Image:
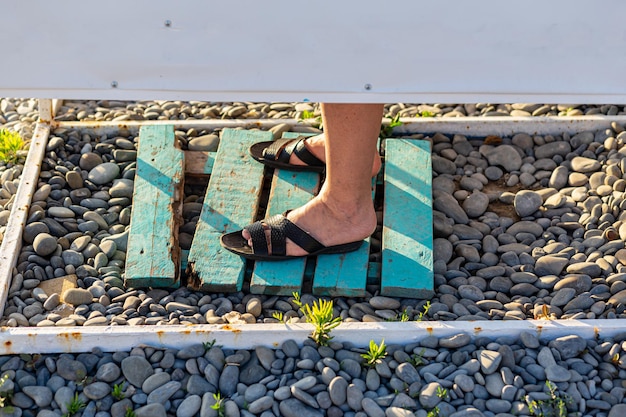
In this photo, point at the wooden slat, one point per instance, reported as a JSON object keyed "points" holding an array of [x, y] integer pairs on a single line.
{"points": [[199, 163], [289, 190], [230, 204], [153, 256], [407, 244], [347, 274], [342, 275]]}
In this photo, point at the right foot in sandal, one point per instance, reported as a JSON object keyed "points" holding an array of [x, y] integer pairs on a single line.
{"points": [[335, 229]]}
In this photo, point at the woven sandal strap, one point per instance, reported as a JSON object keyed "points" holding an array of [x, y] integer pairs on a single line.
{"points": [[296, 234], [305, 155], [277, 152], [259, 241]]}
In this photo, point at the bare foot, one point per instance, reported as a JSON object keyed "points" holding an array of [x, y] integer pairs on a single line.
{"points": [[328, 225], [315, 145]]}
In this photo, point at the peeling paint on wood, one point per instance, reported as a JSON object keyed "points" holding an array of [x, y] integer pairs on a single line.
{"points": [[153, 257], [289, 190], [407, 244], [230, 203]]}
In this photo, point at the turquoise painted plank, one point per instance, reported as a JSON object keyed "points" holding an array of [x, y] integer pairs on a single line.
{"points": [[407, 244], [230, 204], [153, 256], [289, 190], [342, 275], [346, 274]]}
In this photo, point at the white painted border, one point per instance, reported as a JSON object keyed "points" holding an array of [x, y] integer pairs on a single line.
{"points": [[112, 338], [469, 126], [12, 241], [246, 336]]}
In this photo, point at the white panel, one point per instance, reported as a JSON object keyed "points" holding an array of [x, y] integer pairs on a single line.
{"points": [[405, 50]]}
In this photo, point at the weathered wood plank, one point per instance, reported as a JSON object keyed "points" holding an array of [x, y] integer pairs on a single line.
{"points": [[289, 190], [342, 275], [346, 274], [199, 163], [230, 203], [153, 256], [407, 244]]}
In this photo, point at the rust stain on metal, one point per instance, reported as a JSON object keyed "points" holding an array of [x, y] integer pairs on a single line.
{"points": [[227, 327], [478, 330], [596, 332], [429, 330], [8, 344], [71, 336]]}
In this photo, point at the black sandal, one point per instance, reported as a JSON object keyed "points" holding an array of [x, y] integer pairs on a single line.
{"points": [[281, 229], [276, 154]]}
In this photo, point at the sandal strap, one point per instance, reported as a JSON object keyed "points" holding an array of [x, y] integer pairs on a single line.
{"points": [[282, 149], [277, 151], [259, 241], [305, 155], [281, 229], [296, 234]]}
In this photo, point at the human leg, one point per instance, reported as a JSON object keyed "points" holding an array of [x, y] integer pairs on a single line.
{"points": [[343, 211]]}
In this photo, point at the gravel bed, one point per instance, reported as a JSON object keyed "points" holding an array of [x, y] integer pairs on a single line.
{"points": [[455, 376], [525, 227]]}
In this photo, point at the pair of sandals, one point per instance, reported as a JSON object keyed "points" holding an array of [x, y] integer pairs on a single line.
{"points": [[276, 154]]}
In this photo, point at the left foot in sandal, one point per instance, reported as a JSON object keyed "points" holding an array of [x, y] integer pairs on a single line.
{"points": [[313, 229], [288, 154]]}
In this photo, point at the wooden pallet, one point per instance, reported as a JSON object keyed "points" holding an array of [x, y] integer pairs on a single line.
{"points": [[232, 201]]}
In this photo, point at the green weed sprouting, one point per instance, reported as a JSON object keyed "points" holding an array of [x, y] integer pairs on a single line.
{"points": [[375, 353], [278, 315], [118, 391], [5, 396], [219, 405], [423, 313], [10, 145], [74, 406], [320, 315], [556, 406], [387, 130]]}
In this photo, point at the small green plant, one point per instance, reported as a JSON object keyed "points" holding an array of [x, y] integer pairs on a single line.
{"points": [[219, 405], [129, 412], [74, 406], [307, 114], [556, 406], [10, 144], [320, 315], [404, 316], [424, 311], [387, 130], [208, 345], [375, 353], [433, 413], [118, 391], [417, 359], [278, 315], [427, 113], [5, 396], [442, 392]]}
